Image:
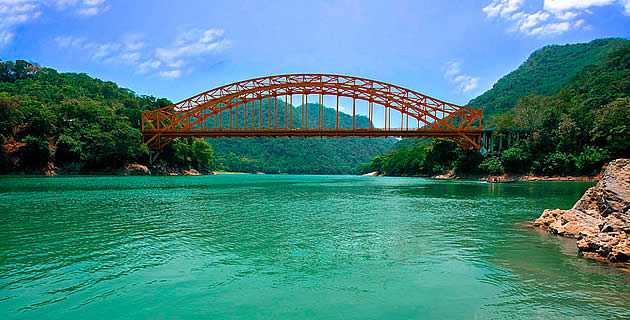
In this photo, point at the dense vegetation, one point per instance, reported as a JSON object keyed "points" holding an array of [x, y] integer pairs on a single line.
{"points": [[297, 155], [78, 124], [573, 131], [546, 72]]}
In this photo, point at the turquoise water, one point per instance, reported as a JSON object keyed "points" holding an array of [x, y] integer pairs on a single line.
{"points": [[276, 247]]}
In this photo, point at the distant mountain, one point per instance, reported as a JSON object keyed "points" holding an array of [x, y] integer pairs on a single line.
{"points": [[297, 155], [546, 72]]}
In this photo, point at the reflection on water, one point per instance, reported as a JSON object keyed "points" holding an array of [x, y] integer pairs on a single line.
{"points": [[249, 246]]}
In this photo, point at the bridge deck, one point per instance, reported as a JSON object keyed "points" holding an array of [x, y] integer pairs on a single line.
{"points": [[282, 132]]}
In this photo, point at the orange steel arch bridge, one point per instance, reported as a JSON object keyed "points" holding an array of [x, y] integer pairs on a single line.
{"points": [[236, 110]]}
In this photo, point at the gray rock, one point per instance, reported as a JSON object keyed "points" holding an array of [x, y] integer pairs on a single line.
{"points": [[600, 220]]}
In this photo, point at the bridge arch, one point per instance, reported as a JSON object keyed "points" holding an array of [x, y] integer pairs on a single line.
{"points": [[190, 117]]}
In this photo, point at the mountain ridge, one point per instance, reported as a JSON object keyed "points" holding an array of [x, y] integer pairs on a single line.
{"points": [[545, 73]]}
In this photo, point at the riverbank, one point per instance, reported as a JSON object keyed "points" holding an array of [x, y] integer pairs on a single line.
{"points": [[128, 170], [516, 177], [158, 170]]}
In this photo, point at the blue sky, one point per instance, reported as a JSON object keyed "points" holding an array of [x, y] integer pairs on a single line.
{"points": [[452, 50]]}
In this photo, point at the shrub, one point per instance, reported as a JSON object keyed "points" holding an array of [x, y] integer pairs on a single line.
{"points": [[491, 166], [516, 159], [591, 160], [560, 163]]}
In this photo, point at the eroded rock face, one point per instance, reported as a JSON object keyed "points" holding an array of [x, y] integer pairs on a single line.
{"points": [[600, 220]]}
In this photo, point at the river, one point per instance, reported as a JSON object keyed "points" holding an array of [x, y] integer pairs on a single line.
{"points": [[293, 247]]}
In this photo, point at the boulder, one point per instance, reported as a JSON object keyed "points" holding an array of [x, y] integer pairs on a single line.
{"points": [[191, 172], [600, 220], [135, 170]]}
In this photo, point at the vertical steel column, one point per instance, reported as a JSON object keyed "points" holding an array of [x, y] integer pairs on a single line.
{"points": [[353, 111], [302, 124], [306, 107], [370, 107], [337, 125], [269, 113], [402, 119], [286, 105], [231, 117], [245, 117], [260, 113], [275, 112], [291, 113], [321, 112]]}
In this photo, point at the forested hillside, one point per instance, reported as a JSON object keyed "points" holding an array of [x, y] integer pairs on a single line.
{"points": [[75, 123], [546, 72], [571, 132]]}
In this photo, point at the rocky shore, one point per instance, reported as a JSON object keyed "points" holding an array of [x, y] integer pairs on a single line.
{"points": [[128, 170], [600, 220], [158, 170], [514, 177]]}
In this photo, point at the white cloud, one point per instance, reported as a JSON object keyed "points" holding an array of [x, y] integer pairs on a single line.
{"points": [[464, 83], [5, 37], [92, 7], [91, 11], [14, 13], [170, 74], [171, 61], [551, 28], [148, 66], [93, 2], [563, 5], [555, 17], [567, 15], [192, 43], [502, 7]]}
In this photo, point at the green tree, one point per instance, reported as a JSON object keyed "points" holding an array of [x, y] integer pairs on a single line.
{"points": [[612, 127], [516, 159], [492, 166], [202, 154]]}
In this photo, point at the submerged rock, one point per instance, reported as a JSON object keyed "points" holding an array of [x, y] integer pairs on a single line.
{"points": [[600, 220]]}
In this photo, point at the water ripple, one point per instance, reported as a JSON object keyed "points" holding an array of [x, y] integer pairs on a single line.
{"points": [[291, 247]]}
